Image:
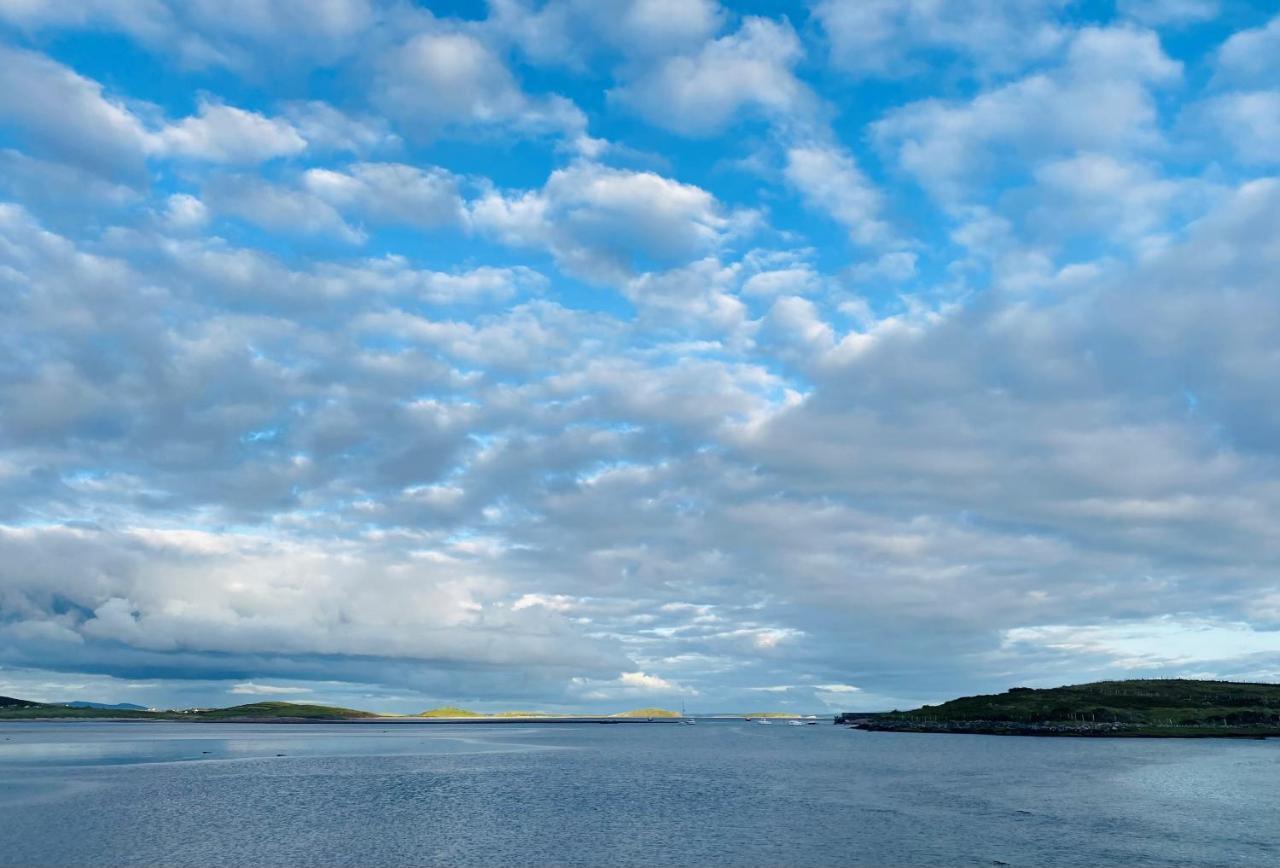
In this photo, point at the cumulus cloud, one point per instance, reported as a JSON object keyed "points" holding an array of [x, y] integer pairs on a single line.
{"points": [[67, 116], [225, 134], [391, 192], [603, 222], [699, 93], [830, 181], [1247, 122], [1100, 99], [419, 392], [893, 37], [203, 33], [565, 31], [1247, 58], [445, 80], [273, 206]]}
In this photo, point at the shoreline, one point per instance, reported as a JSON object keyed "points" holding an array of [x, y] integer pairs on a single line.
{"points": [[1059, 730]]}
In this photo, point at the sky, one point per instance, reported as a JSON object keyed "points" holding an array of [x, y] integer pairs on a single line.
{"points": [[578, 355]]}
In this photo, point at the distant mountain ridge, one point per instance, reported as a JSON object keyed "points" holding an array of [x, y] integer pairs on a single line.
{"points": [[119, 706]]}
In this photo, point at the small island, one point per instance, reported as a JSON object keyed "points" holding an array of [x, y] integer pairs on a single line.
{"points": [[1150, 708]]}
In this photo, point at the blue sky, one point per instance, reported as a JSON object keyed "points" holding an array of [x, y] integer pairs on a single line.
{"points": [[582, 355]]}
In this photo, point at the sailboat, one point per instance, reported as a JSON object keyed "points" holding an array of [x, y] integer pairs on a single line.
{"points": [[686, 721]]}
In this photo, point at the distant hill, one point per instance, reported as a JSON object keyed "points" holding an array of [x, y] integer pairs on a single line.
{"points": [[119, 706], [10, 702], [1146, 707], [777, 715], [277, 711], [647, 712], [449, 711]]}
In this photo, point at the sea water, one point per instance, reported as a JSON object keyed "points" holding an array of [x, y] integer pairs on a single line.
{"points": [[369, 794]]}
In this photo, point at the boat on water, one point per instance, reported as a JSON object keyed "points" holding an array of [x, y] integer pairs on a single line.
{"points": [[763, 721], [795, 723], [686, 721]]}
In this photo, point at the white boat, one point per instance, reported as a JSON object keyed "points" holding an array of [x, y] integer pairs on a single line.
{"points": [[795, 723], [763, 721]]}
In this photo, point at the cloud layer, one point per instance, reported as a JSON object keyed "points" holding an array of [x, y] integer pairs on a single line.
{"points": [[850, 359]]}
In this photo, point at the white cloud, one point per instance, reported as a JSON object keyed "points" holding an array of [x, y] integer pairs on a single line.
{"points": [[390, 193], [225, 134], [184, 212], [603, 223], [440, 81], [326, 128], [645, 682], [279, 208], [239, 34], [1098, 100], [67, 116], [1079, 193], [700, 93], [782, 281], [1247, 58], [895, 37], [254, 689], [831, 181], [567, 31], [1246, 122]]}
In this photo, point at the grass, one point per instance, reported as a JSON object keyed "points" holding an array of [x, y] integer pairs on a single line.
{"points": [[279, 710], [1144, 707], [42, 712], [773, 714], [647, 712], [449, 711]]}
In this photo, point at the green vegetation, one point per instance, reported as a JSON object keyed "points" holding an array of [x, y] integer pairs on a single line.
{"points": [[277, 711], [40, 711], [1157, 707], [525, 714], [10, 702], [449, 711], [647, 712]]}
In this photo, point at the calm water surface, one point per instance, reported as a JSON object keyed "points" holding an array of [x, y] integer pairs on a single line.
{"points": [[638, 794]]}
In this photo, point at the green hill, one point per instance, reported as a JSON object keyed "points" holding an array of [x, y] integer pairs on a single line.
{"points": [[1155, 707], [22, 709], [278, 711], [647, 712], [449, 711], [10, 702]]}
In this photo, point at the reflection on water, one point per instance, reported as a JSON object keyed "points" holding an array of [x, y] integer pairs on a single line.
{"points": [[227, 794], [115, 743]]}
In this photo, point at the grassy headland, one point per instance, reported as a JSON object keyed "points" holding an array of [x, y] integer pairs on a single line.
{"points": [[278, 711], [449, 711], [1170, 708], [647, 712]]}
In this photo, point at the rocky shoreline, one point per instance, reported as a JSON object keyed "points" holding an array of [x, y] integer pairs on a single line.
{"points": [[1077, 729]]}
